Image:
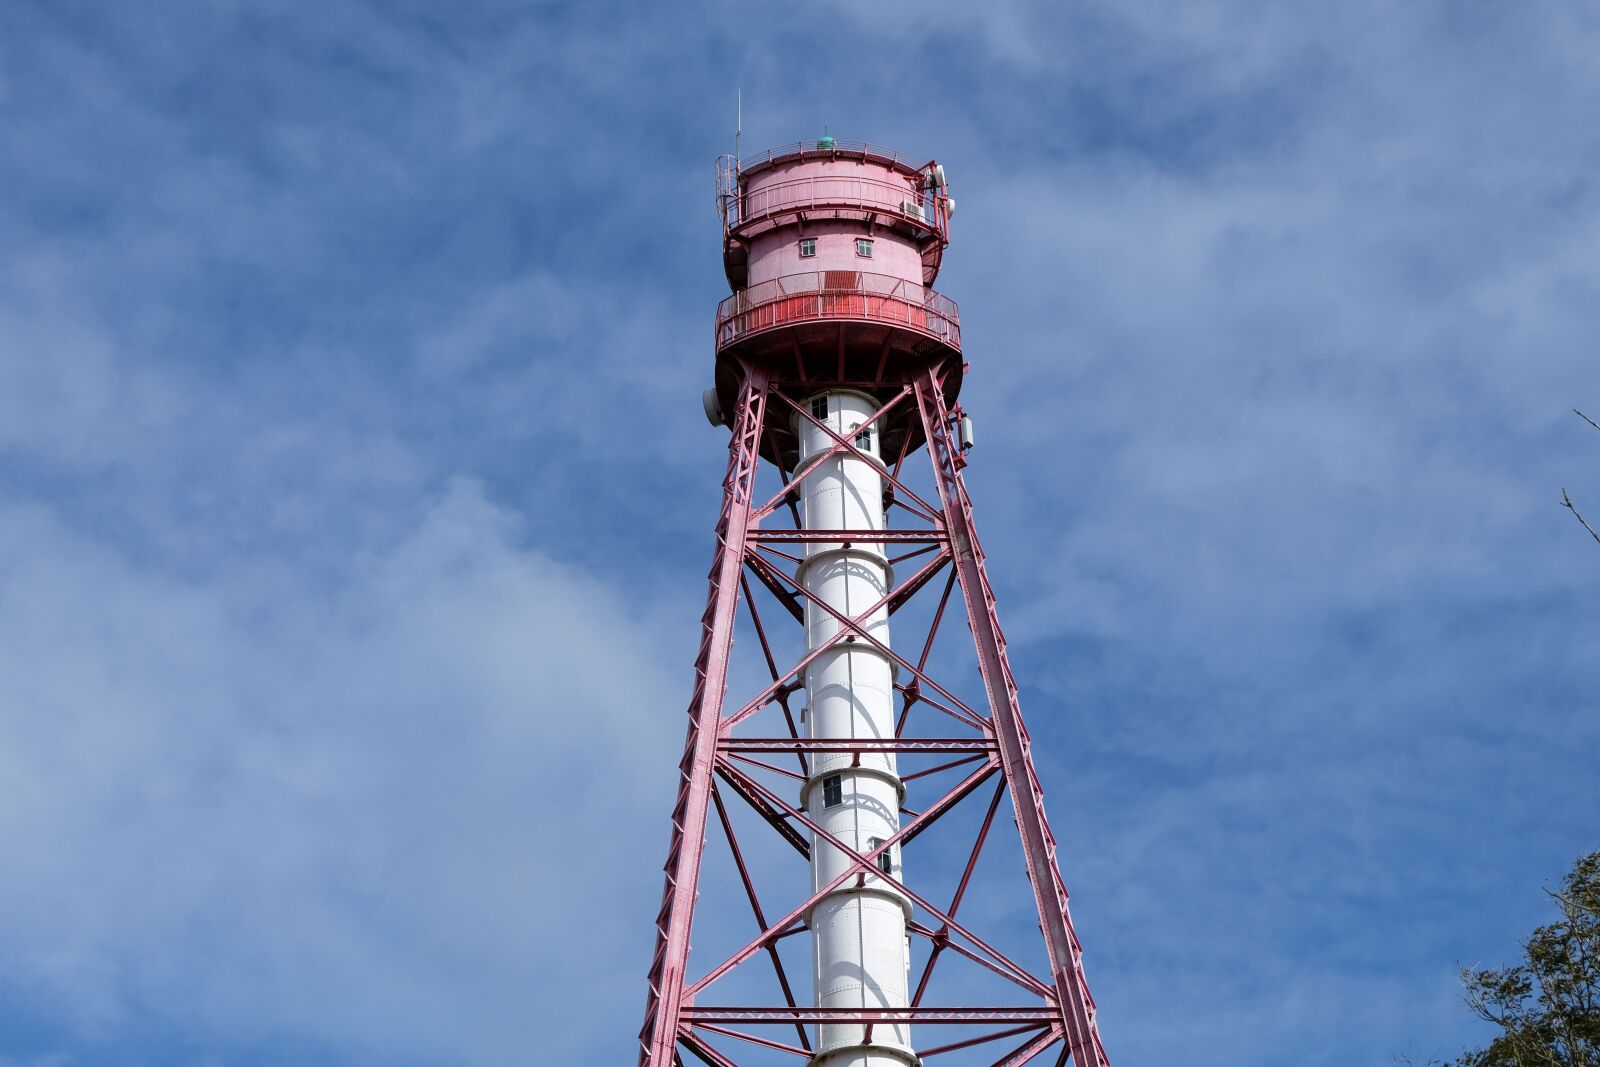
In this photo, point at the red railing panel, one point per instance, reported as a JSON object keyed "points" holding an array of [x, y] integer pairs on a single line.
{"points": [[838, 295]]}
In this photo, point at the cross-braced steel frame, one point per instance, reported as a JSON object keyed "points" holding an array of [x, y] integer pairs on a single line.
{"points": [[989, 749]]}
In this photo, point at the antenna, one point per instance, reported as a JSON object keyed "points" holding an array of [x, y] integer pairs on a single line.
{"points": [[738, 127]]}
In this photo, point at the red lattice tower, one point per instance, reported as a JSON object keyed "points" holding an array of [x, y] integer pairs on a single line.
{"points": [[836, 363]]}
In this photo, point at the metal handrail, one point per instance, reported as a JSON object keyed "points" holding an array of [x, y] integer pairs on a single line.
{"points": [[836, 294], [842, 190], [833, 145]]}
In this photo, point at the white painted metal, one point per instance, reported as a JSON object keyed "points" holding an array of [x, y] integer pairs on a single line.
{"points": [[860, 954], [712, 407]]}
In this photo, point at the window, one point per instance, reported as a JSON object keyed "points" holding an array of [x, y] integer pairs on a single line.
{"points": [[819, 408], [832, 791], [885, 858], [864, 438], [863, 247], [808, 247]]}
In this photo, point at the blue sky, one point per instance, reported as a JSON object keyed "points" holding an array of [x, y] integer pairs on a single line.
{"points": [[355, 501]]}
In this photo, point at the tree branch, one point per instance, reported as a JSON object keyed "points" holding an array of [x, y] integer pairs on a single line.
{"points": [[1566, 502]]}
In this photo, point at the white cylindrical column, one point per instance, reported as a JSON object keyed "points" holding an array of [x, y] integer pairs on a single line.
{"points": [[860, 952]]}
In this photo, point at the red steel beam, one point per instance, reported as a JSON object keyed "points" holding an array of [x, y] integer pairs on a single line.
{"points": [[1029, 1049], [1000, 745], [775, 770], [941, 938], [865, 862], [659, 1036], [857, 744], [751, 1016], [770, 537], [728, 1031], [703, 1051], [739, 783], [772, 664], [755, 906], [843, 444], [941, 767], [955, 1046], [851, 625], [1038, 845], [851, 629], [764, 570]]}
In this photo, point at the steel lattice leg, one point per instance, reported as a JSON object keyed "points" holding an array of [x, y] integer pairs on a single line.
{"points": [[1038, 844], [664, 1003]]}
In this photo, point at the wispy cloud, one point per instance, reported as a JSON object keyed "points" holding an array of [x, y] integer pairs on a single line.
{"points": [[357, 501], [252, 805]]}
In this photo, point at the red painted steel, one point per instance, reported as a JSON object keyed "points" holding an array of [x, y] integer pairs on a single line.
{"points": [[1027, 795], [884, 189], [1042, 1016], [813, 193], [838, 295], [987, 748], [661, 1031]]}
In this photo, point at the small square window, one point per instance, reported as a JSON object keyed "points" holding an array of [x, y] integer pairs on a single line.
{"points": [[864, 438], [863, 247], [808, 247], [819, 408], [885, 858], [832, 791]]}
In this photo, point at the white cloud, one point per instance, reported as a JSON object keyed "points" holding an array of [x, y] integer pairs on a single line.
{"points": [[383, 814], [1274, 316]]}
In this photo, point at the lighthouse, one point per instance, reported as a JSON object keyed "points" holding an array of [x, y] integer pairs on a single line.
{"points": [[837, 364], [830, 232]]}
